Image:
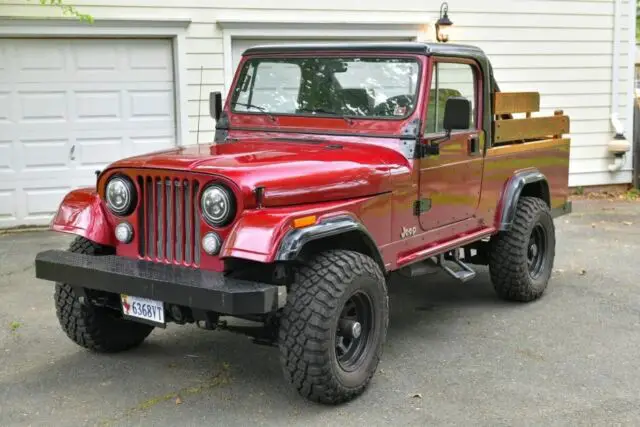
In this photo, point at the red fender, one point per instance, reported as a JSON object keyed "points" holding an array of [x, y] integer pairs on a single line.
{"points": [[82, 213], [258, 234], [255, 236]]}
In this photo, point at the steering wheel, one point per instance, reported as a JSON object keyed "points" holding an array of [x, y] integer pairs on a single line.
{"points": [[388, 107]]}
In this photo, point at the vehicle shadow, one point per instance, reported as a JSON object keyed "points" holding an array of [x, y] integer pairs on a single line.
{"points": [[436, 298], [225, 367]]}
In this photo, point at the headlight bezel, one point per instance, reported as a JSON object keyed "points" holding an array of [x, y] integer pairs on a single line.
{"points": [[228, 195], [133, 195]]}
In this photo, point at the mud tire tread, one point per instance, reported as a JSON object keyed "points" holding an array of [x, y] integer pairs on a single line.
{"points": [[508, 256], [305, 326], [91, 327]]}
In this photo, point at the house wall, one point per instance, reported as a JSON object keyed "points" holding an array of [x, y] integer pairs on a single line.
{"points": [[563, 49]]}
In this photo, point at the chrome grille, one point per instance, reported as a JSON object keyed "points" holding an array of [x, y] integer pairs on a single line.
{"points": [[168, 220]]}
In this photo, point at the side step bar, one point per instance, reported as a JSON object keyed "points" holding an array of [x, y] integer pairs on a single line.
{"points": [[465, 273]]}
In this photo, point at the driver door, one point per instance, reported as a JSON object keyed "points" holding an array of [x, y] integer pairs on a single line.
{"points": [[450, 181]]}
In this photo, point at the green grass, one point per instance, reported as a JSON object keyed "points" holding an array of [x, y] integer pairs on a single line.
{"points": [[632, 194]]}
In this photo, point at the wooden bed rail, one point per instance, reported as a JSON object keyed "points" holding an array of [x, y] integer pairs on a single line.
{"points": [[505, 130]]}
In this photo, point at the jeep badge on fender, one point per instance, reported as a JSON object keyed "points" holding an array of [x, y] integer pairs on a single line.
{"points": [[332, 166]]}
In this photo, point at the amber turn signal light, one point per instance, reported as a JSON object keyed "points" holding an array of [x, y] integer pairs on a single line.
{"points": [[305, 221]]}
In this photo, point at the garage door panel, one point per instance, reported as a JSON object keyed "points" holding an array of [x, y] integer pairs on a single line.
{"points": [[44, 154], [67, 60], [81, 86], [5, 107], [7, 206], [40, 55], [42, 106], [41, 201], [151, 104], [88, 130], [93, 152], [44, 175], [71, 106], [96, 55], [6, 156], [98, 105], [147, 57], [145, 144], [4, 58]]}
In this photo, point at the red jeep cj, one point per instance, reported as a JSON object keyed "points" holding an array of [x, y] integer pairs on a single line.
{"points": [[334, 168]]}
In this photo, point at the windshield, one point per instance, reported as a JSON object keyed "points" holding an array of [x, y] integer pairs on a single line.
{"points": [[329, 86]]}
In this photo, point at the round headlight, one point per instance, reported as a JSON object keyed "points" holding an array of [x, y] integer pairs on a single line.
{"points": [[217, 205], [120, 195]]}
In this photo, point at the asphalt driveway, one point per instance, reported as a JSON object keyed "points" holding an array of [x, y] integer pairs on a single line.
{"points": [[456, 355]]}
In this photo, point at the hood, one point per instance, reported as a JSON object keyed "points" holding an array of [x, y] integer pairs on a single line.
{"points": [[291, 170]]}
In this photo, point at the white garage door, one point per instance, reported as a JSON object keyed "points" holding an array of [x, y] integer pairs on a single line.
{"points": [[240, 45], [71, 106]]}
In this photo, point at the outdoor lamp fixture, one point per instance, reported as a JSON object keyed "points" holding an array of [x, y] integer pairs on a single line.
{"points": [[443, 24]]}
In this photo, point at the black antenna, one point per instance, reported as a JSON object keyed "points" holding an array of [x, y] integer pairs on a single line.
{"points": [[199, 107]]}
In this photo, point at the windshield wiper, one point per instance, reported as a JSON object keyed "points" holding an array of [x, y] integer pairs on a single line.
{"points": [[323, 111], [257, 107]]}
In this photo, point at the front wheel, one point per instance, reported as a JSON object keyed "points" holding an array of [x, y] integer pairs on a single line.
{"points": [[333, 327], [98, 329], [521, 258]]}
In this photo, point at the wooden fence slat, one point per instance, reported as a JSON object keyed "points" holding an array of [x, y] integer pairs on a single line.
{"points": [[535, 127], [516, 102]]}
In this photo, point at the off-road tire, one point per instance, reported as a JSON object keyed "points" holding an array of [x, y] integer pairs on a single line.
{"points": [[309, 320], [96, 328], [508, 257]]}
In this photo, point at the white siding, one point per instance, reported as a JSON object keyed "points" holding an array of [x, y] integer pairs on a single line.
{"points": [[564, 49]]}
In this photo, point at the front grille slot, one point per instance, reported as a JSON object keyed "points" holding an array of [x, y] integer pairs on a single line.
{"points": [[168, 220]]}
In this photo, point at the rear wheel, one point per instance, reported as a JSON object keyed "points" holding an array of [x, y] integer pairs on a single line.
{"points": [[521, 259], [333, 326], [96, 328]]}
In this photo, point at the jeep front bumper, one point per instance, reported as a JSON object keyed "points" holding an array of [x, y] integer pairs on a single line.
{"points": [[171, 284]]}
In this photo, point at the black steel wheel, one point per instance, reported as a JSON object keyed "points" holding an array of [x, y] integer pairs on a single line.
{"points": [[353, 334], [537, 251], [333, 327], [521, 258]]}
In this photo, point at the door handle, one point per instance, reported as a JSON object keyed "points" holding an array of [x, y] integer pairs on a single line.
{"points": [[473, 145]]}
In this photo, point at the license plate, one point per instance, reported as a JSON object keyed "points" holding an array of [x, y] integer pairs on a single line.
{"points": [[143, 308]]}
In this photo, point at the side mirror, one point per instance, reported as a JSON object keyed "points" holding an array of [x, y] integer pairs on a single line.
{"points": [[215, 105], [457, 114]]}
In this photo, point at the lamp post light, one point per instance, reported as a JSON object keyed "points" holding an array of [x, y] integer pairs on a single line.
{"points": [[443, 24]]}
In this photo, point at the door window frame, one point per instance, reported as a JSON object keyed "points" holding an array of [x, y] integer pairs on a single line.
{"points": [[478, 86]]}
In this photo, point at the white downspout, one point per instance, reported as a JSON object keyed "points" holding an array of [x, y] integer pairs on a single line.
{"points": [[618, 146], [631, 72], [615, 71]]}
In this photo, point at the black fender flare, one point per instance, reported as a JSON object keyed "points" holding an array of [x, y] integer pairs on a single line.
{"points": [[294, 240], [512, 192]]}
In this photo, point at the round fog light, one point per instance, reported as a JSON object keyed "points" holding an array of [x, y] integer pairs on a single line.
{"points": [[211, 243], [124, 232]]}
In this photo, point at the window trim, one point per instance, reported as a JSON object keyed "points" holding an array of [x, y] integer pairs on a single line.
{"points": [[478, 86]]}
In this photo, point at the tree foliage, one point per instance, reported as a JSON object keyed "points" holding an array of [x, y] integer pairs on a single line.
{"points": [[67, 9]]}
